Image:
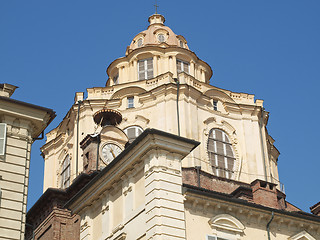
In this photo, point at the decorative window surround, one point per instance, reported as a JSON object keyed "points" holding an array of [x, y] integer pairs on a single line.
{"points": [[227, 227], [302, 236]]}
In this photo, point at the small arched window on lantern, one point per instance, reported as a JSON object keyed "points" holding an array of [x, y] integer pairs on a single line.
{"points": [[221, 154]]}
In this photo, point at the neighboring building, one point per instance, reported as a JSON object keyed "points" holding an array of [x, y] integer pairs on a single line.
{"points": [[20, 125], [174, 157]]}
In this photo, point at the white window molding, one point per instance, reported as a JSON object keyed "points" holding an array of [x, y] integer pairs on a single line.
{"points": [[133, 132], [3, 134], [227, 227], [302, 236]]}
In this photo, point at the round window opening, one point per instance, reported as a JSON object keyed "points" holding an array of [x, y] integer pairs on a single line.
{"points": [[140, 42], [161, 38]]}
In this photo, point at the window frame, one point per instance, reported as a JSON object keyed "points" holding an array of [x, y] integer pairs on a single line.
{"points": [[161, 38], [66, 172], [145, 70], [137, 129], [215, 104], [214, 161], [115, 79], [179, 61], [130, 102], [140, 42], [3, 137]]}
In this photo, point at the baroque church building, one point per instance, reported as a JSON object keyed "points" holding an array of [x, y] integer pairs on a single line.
{"points": [[159, 153]]}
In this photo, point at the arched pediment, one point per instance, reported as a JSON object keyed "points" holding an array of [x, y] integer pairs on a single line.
{"points": [[127, 92], [113, 132], [227, 222], [219, 95], [304, 235]]}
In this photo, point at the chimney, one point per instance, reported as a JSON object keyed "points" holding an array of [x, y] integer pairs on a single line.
{"points": [[264, 193], [6, 90], [315, 209]]}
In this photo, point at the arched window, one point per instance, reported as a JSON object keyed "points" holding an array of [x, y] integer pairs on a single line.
{"points": [[65, 173], [133, 132], [220, 153]]}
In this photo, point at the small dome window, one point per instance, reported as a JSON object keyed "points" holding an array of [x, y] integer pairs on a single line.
{"points": [[161, 37], [181, 44], [140, 42]]}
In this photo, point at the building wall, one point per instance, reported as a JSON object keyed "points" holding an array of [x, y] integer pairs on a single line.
{"points": [[155, 107], [238, 222], [14, 172], [59, 225]]}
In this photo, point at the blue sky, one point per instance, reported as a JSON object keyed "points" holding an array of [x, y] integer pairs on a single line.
{"points": [[52, 49]]}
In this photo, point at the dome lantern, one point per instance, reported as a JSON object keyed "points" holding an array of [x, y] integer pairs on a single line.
{"points": [[156, 19]]}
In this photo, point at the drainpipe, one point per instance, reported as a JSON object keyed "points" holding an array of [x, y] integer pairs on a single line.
{"points": [[178, 86], [268, 225], [98, 145], [39, 138], [29, 225], [77, 147]]}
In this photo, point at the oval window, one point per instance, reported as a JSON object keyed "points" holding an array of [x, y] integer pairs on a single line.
{"points": [[161, 38]]}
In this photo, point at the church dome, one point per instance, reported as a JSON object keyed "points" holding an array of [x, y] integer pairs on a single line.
{"points": [[157, 34]]}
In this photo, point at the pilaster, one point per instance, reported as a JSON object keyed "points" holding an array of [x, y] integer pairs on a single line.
{"points": [[163, 193]]}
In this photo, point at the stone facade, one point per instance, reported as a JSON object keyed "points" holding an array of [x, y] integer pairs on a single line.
{"points": [[175, 157], [153, 104], [21, 123]]}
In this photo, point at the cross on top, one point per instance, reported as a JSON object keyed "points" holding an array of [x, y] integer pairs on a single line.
{"points": [[156, 6]]}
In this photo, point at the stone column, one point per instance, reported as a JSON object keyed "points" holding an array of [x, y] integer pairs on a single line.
{"points": [[174, 66], [155, 66], [192, 68], [135, 70]]}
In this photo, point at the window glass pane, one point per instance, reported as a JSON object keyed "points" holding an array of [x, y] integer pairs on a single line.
{"points": [[229, 150], [141, 76], [218, 135], [230, 163], [220, 149], [131, 133], [2, 130], [150, 74], [221, 163], [141, 66], [211, 237], [186, 67]]}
